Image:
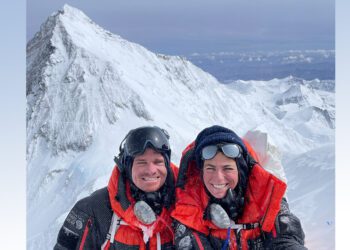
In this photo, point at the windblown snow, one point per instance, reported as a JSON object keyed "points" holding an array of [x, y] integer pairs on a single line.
{"points": [[87, 87]]}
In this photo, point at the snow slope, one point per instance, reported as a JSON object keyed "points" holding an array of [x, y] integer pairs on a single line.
{"points": [[318, 190], [87, 87]]}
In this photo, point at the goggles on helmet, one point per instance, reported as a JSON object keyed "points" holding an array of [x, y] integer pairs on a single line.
{"points": [[230, 150], [139, 139]]}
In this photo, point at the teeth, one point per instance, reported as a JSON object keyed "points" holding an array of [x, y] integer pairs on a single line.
{"points": [[150, 178], [219, 186]]}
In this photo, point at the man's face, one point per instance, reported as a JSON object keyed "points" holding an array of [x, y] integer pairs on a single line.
{"points": [[219, 174], [149, 171]]}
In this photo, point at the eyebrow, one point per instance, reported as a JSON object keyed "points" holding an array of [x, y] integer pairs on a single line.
{"points": [[140, 160], [209, 165], [143, 159], [159, 159], [224, 166]]}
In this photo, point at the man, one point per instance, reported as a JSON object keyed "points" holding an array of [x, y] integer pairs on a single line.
{"points": [[226, 200], [133, 211]]}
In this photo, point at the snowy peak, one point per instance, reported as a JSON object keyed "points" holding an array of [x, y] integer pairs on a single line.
{"points": [[299, 94], [69, 28], [323, 85], [292, 95], [81, 78], [306, 106], [307, 102], [73, 12], [71, 89], [82, 31]]}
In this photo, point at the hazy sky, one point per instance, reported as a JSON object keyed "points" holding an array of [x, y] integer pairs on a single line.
{"points": [[185, 26]]}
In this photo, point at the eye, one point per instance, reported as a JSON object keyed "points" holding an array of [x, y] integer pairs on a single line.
{"points": [[229, 168], [141, 163], [209, 168], [159, 162]]}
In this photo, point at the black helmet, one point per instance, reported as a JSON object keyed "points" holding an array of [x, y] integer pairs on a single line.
{"points": [[136, 142]]}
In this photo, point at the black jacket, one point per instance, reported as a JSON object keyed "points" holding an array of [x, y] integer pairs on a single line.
{"points": [[87, 223]]}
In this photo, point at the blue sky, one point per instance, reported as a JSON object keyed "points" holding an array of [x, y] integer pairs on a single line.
{"points": [[186, 26]]}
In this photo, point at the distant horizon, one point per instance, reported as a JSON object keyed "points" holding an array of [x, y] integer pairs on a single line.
{"points": [[251, 60], [228, 26]]}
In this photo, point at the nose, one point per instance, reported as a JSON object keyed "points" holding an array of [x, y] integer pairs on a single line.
{"points": [[219, 175], [151, 168]]}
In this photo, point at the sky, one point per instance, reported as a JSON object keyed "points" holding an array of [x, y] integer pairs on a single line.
{"points": [[12, 101], [183, 27]]}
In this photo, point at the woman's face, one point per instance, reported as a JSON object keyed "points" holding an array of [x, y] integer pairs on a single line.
{"points": [[219, 174]]}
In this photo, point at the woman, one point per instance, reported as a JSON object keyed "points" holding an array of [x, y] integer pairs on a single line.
{"points": [[226, 200]]}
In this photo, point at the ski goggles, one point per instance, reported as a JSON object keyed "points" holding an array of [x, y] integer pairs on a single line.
{"points": [[230, 150], [139, 139]]}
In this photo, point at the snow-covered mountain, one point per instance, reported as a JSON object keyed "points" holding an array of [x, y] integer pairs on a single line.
{"points": [[306, 106], [87, 87]]}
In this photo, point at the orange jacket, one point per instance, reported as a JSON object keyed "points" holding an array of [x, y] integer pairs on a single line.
{"points": [[132, 234], [262, 201]]}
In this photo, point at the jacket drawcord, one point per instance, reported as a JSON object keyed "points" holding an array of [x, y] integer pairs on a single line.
{"points": [[159, 243], [226, 243], [115, 223]]}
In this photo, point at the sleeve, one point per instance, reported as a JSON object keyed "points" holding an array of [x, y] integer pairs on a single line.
{"points": [[289, 233], [188, 239], [76, 230]]}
